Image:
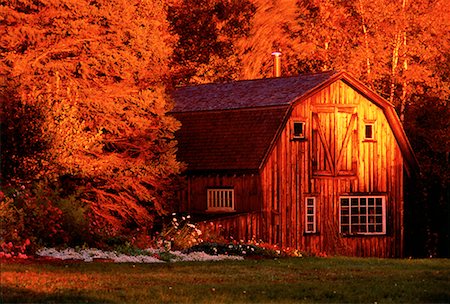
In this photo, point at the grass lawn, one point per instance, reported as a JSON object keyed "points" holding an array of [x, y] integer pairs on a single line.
{"points": [[260, 281]]}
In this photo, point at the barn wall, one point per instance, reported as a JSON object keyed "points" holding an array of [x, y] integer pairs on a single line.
{"points": [[242, 227], [367, 167], [247, 190]]}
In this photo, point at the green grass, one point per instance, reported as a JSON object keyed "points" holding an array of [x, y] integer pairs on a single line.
{"points": [[299, 280]]}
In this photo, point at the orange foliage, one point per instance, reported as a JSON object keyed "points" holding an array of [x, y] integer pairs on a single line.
{"points": [[92, 72]]}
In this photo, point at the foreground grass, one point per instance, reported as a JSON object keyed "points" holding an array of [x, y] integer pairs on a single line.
{"points": [[263, 281]]}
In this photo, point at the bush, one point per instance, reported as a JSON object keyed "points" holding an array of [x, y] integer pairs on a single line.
{"points": [[40, 216]]}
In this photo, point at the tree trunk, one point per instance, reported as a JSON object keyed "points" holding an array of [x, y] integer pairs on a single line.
{"points": [[366, 42]]}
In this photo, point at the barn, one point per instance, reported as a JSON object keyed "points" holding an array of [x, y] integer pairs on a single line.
{"points": [[316, 162]]}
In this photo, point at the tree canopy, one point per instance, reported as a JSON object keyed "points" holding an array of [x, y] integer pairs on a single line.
{"points": [[84, 101], [207, 32]]}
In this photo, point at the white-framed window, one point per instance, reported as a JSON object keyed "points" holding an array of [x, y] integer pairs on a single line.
{"points": [[362, 215], [310, 215], [369, 131], [220, 199], [298, 130]]}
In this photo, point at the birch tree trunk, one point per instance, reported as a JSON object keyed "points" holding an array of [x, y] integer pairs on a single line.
{"points": [[399, 52], [366, 42]]}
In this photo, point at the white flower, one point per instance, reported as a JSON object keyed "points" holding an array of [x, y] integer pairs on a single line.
{"points": [[88, 255]]}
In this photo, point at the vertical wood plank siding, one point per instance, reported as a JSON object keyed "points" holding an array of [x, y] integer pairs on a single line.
{"points": [[287, 178], [241, 227]]}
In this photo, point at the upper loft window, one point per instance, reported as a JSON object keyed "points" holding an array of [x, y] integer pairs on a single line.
{"points": [[298, 130], [369, 131], [220, 200], [362, 215]]}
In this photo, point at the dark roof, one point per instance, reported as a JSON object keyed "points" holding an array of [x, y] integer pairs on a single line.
{"points": [[246, 93], [227, 140], [232, 126]]}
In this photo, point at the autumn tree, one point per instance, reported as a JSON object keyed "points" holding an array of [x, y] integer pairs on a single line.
{"points": [[207, 32], [84, 105], [267, 34]]}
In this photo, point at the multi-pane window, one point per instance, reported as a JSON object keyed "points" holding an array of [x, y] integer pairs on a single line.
{"points": [[310, 215], [220, 199], [362, 215]]}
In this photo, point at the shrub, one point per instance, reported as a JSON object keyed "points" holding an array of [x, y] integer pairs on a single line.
{"points": [[40, 216]]}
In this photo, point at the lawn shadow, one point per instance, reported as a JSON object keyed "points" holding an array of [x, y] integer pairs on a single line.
{"points": [[12, 294]]}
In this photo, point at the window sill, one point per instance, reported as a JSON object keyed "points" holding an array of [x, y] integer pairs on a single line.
{"points": [[370, 140], [300, 139], [220, 210], [361, 234]]}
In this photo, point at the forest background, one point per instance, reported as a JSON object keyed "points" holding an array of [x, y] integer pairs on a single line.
{"points": [[88, 154]]}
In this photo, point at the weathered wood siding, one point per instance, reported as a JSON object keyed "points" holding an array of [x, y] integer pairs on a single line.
{"points": [[240, 227], [247, 191], [336, 162]]}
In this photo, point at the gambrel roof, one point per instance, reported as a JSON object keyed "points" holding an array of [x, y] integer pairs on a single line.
{"points": [[232, 126], [247, 93]]}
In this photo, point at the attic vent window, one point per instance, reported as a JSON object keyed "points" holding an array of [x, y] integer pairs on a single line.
{"points": [[298, 129], [368, 131], [220, 200]]}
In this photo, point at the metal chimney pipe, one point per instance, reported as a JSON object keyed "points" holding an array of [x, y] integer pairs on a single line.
{"points": [[276, 64]]}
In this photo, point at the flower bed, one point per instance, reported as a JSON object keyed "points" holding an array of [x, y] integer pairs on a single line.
{"points": [[149, 256]]}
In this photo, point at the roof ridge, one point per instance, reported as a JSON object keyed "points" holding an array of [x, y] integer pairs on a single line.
{"points": [[248, 93], [332, 72]]}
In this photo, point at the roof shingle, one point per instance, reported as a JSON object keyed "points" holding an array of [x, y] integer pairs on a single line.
{"points": [[227, 140], [246, 93]]}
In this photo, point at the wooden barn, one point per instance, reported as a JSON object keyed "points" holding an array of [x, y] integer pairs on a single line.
{"points": [[315, 162]]}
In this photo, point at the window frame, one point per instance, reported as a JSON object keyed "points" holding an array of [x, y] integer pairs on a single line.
{"points": [[363, 218], [372, 131], [314, 215], [302, 135], [220, 199]]}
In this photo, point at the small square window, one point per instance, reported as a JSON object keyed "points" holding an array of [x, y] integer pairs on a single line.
{"points": [[368, 131], [298, 130]]}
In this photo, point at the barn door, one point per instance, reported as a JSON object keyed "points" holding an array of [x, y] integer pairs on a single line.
{"points": [[334, 141]]}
